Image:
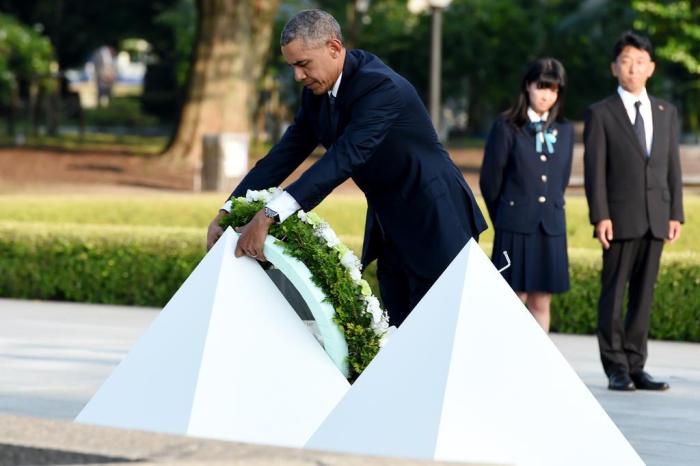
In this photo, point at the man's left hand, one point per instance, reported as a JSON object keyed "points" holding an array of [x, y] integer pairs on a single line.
{"points": [[674, 230], [253, 235]]}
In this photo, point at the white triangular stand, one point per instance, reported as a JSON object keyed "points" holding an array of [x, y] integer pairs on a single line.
{"points": [[470, 376], [227, 358]]}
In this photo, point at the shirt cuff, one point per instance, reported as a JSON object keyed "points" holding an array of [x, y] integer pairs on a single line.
{"points": [[226, 206], [284, 204]]}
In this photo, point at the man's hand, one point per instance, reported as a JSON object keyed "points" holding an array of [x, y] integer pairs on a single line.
{"points": [[674, 230], [604, 232], [215, 231], [253, 235]]}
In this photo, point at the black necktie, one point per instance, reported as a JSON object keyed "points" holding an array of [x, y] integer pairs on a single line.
{"points": [[333, 114], [639, 128]]}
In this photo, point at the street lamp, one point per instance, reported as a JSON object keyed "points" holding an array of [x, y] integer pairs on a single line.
{"points": [[436, 7]]}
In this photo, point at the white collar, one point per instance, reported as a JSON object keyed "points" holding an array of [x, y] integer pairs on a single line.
{"points": [[534, 117], [336, 86], [629, 99]]}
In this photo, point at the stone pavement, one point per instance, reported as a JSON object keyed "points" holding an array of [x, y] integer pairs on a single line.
{"points": [[54, 356]]}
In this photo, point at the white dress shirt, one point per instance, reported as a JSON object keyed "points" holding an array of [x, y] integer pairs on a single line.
{"points": [[283, 203], [629, 100]]}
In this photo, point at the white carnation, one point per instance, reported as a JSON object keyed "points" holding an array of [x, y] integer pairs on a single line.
{"points": [[350, 261], [328, 235], [355, 275], [374, 308], [302, 216]]}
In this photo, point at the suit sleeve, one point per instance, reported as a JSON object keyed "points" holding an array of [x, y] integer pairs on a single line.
{"points": [[373, 115], [496, 153], [675, 180], [296, 144], [594, 163]]}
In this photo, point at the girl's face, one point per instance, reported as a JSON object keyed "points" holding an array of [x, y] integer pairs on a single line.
{"points": [[542, 99]]}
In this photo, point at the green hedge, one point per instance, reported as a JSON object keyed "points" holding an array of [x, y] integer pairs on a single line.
{"points": [[96, 264], [146, 265], [676, 310]]}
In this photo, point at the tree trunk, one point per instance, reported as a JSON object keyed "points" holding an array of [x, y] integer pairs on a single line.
{"points": [[228, 60]]}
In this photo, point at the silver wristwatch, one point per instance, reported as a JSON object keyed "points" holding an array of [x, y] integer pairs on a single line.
{"points": [[269, 213]]}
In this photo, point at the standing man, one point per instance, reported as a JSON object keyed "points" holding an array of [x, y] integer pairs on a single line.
{"points": [[376, 131], [634, 191]]}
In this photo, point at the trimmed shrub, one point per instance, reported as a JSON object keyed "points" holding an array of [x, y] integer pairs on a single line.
{"points": [[146, 265], [676, 309], [96, 264]]}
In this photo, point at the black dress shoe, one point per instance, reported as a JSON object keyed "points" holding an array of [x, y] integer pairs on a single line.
{"points": [[620, 381], [643, 381]]}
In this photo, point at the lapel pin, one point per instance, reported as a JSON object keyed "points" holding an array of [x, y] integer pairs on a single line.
{"points": [[661, 107]]}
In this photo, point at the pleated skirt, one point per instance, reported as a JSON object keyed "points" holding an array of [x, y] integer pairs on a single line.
{"points": [[539, 262]]}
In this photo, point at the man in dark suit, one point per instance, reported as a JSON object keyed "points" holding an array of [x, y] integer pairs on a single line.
{"points": [[375, 130], [634, 190]]}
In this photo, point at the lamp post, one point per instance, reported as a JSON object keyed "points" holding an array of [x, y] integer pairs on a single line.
{"points": [[436, 7]]}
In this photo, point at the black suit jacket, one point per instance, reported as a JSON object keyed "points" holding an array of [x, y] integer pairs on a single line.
{"points": [[637, 193], [384, 139], [523, 191]]}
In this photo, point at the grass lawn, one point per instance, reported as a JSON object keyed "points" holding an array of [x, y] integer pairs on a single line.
{"points": [[345, 213]]}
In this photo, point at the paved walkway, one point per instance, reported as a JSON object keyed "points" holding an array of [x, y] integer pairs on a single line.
{"points": [[54, 356]]}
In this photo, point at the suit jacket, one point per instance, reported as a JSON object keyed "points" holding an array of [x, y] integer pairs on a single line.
{"points": [[384, 140], [637, 193], [522, 188]]}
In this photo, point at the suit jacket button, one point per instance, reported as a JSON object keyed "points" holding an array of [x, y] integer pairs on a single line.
{"points": [[544, 178], [543, 157], [511, 203], [541, 199]]}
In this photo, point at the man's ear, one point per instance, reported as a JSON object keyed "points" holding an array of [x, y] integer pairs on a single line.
{"points": [[613, 68], [652, 66], [335, 47]]}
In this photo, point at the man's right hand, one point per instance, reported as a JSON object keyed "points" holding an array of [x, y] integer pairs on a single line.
{"points": [[215, 231], [604, 232]]}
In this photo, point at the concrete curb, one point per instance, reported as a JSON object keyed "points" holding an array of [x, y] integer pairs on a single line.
{"points": [[26, 440]]}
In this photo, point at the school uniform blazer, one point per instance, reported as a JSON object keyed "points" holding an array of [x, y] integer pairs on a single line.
{"points": [[637, 193], [523, 188], [385, 141]]}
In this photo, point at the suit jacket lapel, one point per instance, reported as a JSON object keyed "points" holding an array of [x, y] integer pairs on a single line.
{"points": [[657, 114], [618, 110]]}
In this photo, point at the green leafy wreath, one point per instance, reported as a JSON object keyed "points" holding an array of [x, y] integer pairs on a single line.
{"points": [[334, 268]]}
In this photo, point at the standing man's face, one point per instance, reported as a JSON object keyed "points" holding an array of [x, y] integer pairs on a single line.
{"points": [[632, 68], [315, 66]]}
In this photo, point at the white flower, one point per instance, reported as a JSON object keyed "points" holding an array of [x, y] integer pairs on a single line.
{"points": [[350, 260], [328, 235], [265, 195], [374, 308], [355, 275], [302, 216]]}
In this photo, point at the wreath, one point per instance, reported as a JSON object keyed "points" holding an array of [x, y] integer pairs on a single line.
{"points": [[335, 269]]}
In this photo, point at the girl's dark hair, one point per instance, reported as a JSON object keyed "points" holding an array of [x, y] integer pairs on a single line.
{"points": [[547, 73]]}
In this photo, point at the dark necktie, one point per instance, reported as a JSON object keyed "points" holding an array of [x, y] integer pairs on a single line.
{"points": [[333, 114], [639, 128]]}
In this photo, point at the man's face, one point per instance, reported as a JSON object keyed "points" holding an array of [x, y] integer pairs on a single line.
{"points": [[632, 68], [316, 66]]}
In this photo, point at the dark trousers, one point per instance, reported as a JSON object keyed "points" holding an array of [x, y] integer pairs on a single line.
{"points": [[635, 262], [401, 291]]}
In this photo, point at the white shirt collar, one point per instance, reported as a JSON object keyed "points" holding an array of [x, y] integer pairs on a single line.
{"points": [[336, 86], [534, 117], [629, 99]]}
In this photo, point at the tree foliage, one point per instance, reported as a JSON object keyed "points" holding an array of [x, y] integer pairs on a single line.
{"points": [[25, 55]]}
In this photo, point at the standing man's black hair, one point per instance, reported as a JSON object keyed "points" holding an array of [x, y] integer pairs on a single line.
{"points": [[632, 39]]}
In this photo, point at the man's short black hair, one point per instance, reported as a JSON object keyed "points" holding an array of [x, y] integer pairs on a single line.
{"points": [[632, 39]]}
